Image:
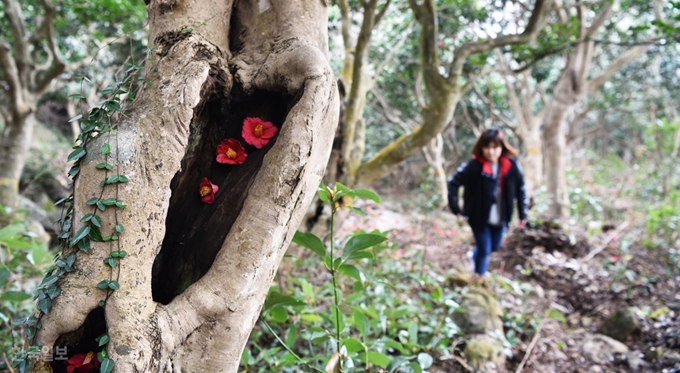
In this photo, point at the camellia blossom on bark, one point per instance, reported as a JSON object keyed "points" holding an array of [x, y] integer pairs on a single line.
{"points": [[258, 132], [231, 151], [82, 363], [207, 191]]}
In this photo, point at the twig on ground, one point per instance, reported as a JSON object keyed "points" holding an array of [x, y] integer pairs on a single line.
{"points": [[459, 361], [531, 347], [610, 237]]}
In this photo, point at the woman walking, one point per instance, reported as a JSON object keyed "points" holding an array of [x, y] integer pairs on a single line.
{"points": [[492, 180]]}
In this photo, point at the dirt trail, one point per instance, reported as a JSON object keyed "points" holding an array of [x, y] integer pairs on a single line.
{"points": [[578, 294]]}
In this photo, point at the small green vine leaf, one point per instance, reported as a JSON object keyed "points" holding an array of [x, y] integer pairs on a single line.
{"points": [[120, 228], [53, 291], [87, 218], [45, 305], [92, 201], [101, 206], [106, 149], [96, 234], [103, 339], [120, 204], [119, 254], [75, 170], [82, 233], [103, 284], [107, 366], [123, 179], [102, 303], [84, 245], [114, 285], [76, 154], [106, 166], [109, 201], [97, 221], [111, 262]]}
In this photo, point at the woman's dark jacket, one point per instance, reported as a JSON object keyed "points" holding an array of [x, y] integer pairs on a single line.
{"points": [[478, 193]]}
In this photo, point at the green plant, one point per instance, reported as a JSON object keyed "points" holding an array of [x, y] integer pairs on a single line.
{"points": [[22, 258], [95, 124]]}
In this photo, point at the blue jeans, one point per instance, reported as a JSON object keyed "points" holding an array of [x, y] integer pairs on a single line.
{"points": [[488, 239]]}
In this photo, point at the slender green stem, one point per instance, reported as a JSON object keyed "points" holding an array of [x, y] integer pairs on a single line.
{"points": [[298, 358], [335, 285]]}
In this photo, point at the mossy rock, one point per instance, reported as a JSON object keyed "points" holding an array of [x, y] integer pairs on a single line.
{"points": [[620, 325], [485, 354], [479, 313]]}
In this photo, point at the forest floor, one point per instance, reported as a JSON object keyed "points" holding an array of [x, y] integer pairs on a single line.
{"points": [[572, 282]]}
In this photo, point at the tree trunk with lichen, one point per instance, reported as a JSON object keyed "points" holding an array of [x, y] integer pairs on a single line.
{"points": [[196, 275]]}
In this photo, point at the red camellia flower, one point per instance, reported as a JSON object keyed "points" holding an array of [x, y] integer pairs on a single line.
{"points": [[231, 152], [83, 363], [258, 132], [207, 191]]}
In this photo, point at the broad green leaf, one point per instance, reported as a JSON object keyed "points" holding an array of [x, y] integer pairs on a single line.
{"points": [[413, 333], [360, 255], [310, 317], [291, 335], [114, 285], [106, 149], [391, 343], [279, 314], [354, 345], [103, 284], [365, 193], [311, 242], [358, 211], [360, 322], [351, 271], [361, 242], [86, 218], [4, 277], [14, 296], [275, 299], [375, 358], [120, 228], [324, 193], [92, 201]]}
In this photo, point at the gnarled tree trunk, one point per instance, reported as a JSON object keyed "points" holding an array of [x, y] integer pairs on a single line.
{"points": [[196, 275]]}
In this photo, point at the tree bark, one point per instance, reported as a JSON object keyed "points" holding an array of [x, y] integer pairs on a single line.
{"points": [[25, 82], [196, 275]]}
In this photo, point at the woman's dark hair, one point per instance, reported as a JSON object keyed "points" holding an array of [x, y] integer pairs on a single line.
{"points": [[495, 136]]}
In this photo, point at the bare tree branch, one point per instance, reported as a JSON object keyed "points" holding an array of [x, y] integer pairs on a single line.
{"points": [[492, 111], [382, 12], [395, 48], [535, 23], [346, 22], [616, 65], [390, 114], [58, 65], [600, 19], [15, 17], [11, 73]]}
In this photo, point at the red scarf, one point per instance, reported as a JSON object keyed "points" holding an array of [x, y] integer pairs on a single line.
{"points": [[505, 165]]}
